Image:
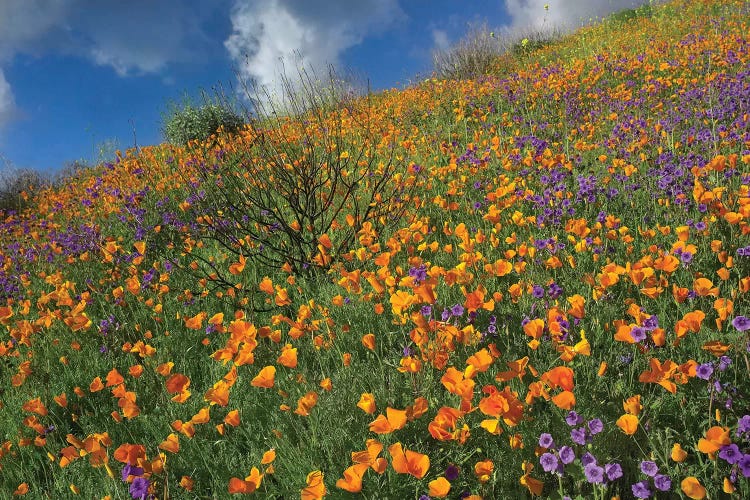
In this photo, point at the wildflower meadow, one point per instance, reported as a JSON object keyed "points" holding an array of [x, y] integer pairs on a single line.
{"points": [[533, 283]]}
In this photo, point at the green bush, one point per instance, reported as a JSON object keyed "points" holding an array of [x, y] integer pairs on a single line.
{"points": [[189, 122]]}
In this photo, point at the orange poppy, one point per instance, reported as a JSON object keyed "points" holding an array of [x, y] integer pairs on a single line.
{"points": [[395, 420], [196, 322], [370, 456], [693, 488], [559, 376], [367, 403], [368, 341], [171, 444], [130, 453], [35, 406], [660, 373], [565, 400], [534, 328], [177, 383], [232, 418], [288, 356], [439, 487], [114, 378], [315, 488], [306, 403], [628, 424], [96, 385], [716, 437], [266, 286], [678, 454], [237, 267], [352, 480], [265, 377], [480, 361], [248, 485], [633, 405], [483, 470], [408, 462]]}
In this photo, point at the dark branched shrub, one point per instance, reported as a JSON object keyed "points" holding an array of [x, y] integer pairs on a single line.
{"points": [[473, 56], [314, 176], [188, 123]]}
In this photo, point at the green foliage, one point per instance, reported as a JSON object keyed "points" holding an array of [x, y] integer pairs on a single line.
{"points": [[190, 122]]}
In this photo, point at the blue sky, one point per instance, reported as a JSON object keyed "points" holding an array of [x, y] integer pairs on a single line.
{"points": [[79, 76]]}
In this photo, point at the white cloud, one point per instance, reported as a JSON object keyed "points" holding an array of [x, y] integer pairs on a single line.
{"points": [[440, 39], [310, 34], [7, 103], [531, 15], [24, 24], [131, 37]]}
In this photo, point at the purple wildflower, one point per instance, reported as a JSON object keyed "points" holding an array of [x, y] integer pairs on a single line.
{"points": [[662, 482], [457, 310], [567, 455], [638, 334], [594, 473], [741, 323], [651, 323], [744, 464], [452, 472], [724, 363], [640, 490], [546, 441], [446, 314], [588, 458], [731, 453], [578, 435], [537, 292], [573, 419], [649, 468], [139, 487], [743, 425], [704, 371], [614, 471], [595, 426], [548, 462], [129, 470]]}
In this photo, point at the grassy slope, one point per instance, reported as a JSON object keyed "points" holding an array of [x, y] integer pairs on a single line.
{"points": [[585, 164]]}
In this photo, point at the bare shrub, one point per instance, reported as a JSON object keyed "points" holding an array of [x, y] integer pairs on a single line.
{"points": [[315, 172]]}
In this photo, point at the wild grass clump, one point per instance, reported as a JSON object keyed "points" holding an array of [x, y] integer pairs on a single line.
{"points": [[473, 56]]}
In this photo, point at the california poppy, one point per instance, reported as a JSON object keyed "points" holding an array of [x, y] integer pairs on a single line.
{"points": [[265, 377], [408, 462], [315, 488]]}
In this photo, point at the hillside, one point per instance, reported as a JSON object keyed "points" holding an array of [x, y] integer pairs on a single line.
{"points": [[534, 283]]}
